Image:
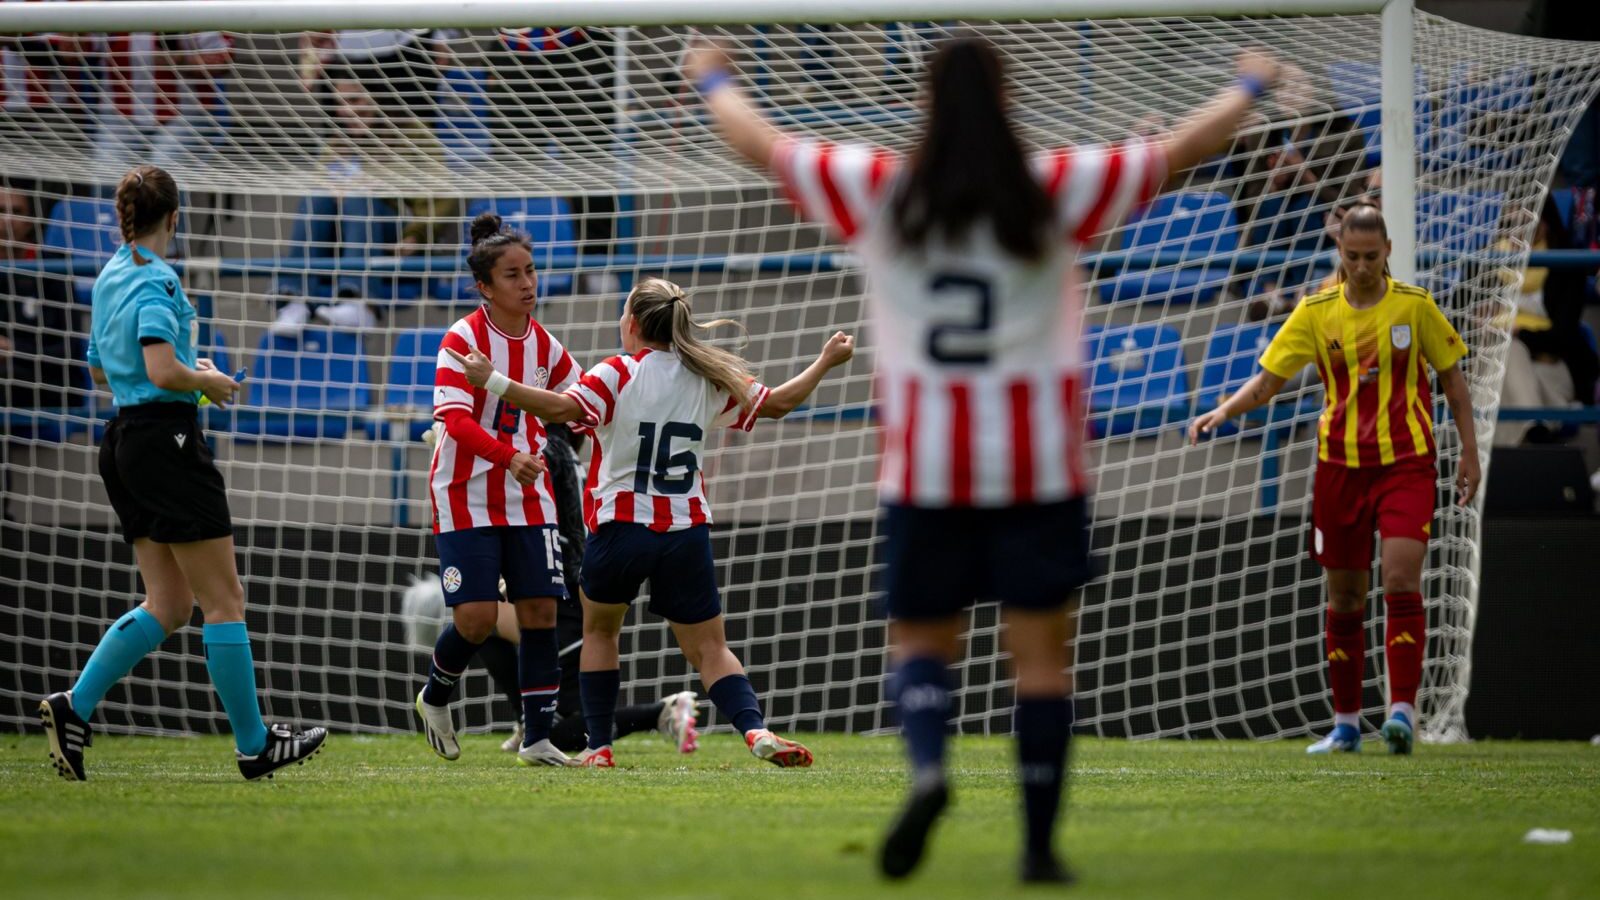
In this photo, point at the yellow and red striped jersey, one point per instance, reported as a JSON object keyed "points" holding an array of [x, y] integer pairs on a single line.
{"points": [[1379, 408]]}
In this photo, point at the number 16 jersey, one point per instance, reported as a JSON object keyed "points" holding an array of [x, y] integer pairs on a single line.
{"points": [[651, 416], [979, 354]]}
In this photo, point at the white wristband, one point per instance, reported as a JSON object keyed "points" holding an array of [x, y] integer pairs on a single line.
{"points": [[498, 384]]}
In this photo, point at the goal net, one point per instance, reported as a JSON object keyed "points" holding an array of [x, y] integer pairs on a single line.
{"points": [[327, 180]]}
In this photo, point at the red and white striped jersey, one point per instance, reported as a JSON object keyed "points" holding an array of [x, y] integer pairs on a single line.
{"points": [[652, 417], [980, 376], [468, 490]]}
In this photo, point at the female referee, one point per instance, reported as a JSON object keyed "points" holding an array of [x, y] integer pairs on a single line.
{"points": [[969, 246], [166, 491], [646, 506], [494, 513], [1369, 336]]}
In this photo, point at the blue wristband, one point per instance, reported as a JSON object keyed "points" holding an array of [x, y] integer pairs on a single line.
{"points": [[1253, 87], [710, 83]]}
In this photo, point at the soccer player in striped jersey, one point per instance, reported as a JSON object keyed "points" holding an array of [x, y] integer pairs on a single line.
{"points": [[645, 499], [494, 514], [969, 245], [1372, 340]]}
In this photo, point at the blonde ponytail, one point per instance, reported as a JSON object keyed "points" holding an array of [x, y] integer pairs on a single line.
{"points": [[661, 310]]}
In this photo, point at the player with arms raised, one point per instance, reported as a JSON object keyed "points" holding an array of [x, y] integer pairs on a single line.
{"points": [[970, 249], [1371, 339], [647, 512], [494, 512]]}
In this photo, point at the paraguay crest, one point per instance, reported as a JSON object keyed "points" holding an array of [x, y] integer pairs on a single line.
{"points": [[1401, 336]]}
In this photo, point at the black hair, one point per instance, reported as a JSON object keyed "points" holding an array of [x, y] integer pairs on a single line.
{"points": [[969, 164], [489, 240]]}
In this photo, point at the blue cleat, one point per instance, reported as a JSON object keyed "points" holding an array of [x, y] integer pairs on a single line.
{"points": [[1397, 734], [1342, 739]]}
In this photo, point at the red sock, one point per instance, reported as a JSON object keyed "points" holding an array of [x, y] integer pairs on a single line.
{"points": [[1347, 648], [1405, 636]]}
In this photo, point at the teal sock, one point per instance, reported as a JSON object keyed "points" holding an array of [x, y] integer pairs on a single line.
{"points": [[233, 674], [130, 639]]}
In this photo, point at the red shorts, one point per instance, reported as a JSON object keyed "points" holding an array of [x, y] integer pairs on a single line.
{"points": [[1348, 505]]}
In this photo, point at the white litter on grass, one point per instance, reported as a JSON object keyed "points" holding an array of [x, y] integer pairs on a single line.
{"points": [[1547, 836]]}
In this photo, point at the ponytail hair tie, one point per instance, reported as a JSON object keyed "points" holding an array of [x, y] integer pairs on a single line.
{"points": [[140, 176]]}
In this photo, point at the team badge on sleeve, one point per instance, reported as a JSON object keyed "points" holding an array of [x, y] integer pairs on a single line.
{"points": [[1401, 336]]}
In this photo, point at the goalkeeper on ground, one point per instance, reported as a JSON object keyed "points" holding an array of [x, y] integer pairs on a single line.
{"points": [[674, 715]]}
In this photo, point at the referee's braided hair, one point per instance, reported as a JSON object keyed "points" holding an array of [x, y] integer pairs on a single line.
{"points": [[661, 310], [146, 196], [969, 164], [489, 240]]}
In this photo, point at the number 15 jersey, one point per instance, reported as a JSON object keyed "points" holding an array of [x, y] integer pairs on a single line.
{"points": [[979, 353], [652, 416]]}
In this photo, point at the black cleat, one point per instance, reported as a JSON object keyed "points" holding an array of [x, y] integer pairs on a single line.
{"points": [[284, 746], [68, 735], [1045, 869], [908, 836]]}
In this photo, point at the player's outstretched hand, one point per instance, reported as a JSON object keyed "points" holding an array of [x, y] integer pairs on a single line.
{"points": [[838, 350], [1206, 424], [1468, 477], [1258, 65], [703, 58], [526, 468], [478, 368]]}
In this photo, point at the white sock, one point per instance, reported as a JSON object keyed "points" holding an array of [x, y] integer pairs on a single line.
{"points": [[1404, 709], [1351, 719]]}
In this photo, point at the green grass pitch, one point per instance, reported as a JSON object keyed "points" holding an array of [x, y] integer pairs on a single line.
{"points": [[382, 818]]}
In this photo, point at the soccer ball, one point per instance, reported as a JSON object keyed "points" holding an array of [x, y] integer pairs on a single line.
{"points": [[422, 612]]}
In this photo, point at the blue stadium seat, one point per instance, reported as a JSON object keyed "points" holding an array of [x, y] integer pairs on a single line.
{"points": [[1138, 382], [462, 123], [305, 386], [1198, 226], [547, 220], [1459, 221], [1564, 201], [408, 393], [1232, 356], [83, 228], [1358, 92]]}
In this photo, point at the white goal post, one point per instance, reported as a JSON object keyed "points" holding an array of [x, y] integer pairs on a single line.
{"points": [[335, 173]]}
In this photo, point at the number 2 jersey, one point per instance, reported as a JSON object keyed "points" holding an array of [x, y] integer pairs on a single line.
{"points": [[979, 354], [470, 478], [651, 417]]}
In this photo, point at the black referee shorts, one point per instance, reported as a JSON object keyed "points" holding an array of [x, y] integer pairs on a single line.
{"points": [[161, 477]]}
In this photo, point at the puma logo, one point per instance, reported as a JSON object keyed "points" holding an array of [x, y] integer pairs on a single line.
{"points": [[180, 438]]}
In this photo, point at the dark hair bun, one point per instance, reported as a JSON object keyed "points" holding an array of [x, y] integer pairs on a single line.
{"points": [[485, 226]]}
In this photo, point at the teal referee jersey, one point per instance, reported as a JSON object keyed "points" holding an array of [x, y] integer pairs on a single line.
{"points": [[135, 305]]}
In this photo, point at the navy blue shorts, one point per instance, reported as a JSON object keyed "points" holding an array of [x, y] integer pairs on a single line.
{"points": [[621, 556], [473, 560], [941, 561]]}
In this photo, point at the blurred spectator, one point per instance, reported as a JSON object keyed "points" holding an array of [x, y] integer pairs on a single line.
{"points": [[36, 312], [1550, 362], [557, 88], [371, 150], [1569, 20], [1273, 300], [160, 97]]}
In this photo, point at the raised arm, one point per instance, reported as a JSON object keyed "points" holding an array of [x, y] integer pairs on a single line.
{"points": [[1256, 392], [1459, 398], [743, 127], [547, 405], [785, 397], [1212, 127]]}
